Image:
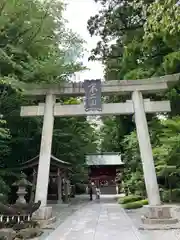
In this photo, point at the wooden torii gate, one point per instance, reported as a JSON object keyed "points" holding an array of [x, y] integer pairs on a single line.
{"points": [[136, 105]]}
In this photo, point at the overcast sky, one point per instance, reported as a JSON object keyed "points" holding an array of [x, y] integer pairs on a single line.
{"points": [[78, 12]]}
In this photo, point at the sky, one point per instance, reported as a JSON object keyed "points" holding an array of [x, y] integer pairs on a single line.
{"points": [[78, 13]]}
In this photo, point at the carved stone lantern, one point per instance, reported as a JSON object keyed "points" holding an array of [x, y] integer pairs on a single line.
{"points": [[22, 184]]}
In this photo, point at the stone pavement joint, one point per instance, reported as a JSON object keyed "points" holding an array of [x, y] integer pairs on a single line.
{"points": [[97, 221]]}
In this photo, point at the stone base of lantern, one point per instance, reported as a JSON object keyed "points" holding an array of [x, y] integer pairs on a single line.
{"points": [[158, 217], [44, 216]]}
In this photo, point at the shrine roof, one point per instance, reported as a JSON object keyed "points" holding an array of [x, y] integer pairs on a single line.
{"points": [[103, 159], [54, 161]]}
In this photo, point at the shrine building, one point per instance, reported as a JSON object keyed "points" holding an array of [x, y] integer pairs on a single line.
{"points": [[59, 171], [103, 169]]}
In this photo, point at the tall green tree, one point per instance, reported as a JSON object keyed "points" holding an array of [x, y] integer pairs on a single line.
{"points": [[36, 47], [139, 39], [34, 41]]}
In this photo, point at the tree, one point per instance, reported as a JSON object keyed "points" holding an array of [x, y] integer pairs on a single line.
{"points": [[36, 47], [117, 24], [143, 47], [145, 43], [4, 142], [166, 154], [34, 41], [167, 150]]}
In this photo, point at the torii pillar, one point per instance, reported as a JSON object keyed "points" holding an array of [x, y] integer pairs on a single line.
{"points": [[145, 149], [45, 212]]}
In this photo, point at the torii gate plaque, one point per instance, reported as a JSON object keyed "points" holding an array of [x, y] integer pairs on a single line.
{"points": [[137, 106], [92, 90]]}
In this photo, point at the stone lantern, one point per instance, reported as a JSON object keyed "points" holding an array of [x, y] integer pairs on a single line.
{"points": [[22, 184]]}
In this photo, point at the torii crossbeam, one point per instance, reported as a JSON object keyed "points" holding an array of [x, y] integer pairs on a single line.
{"points": [[107, 109]]}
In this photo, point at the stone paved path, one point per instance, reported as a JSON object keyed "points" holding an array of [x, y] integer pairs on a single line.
{"points": [[97, 221], [62, 212]]}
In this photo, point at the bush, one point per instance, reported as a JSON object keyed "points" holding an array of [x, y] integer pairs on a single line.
{"points": [[165, 195], [133, 205], [144, 202], [80, 188], [129, 199], [136, 204], [168, 196], [3, 198]]}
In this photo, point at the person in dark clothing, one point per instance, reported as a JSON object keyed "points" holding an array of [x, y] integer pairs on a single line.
{"points": [[90, 191]]}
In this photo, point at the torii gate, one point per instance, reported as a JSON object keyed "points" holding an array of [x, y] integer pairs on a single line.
{"points": [[137, 106]]}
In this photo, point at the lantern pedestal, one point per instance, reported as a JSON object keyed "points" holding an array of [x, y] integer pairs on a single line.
{"points": [[21, 194]]}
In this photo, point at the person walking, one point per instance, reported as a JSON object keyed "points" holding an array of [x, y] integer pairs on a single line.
{"points": [[98, 192], [90, 188]]}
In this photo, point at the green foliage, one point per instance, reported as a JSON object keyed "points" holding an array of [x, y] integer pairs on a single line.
{"points": [[112, 132], [31, 33], [135, 205], [4, 189], [163, 23], [169, 141], [145, 40], [132, 205], [36, 47], [109, 131], [132, 202], [80, 188], [171, 195], [4, 142], [129, 199], [144, 202], [133, 175], [140, 39]]}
